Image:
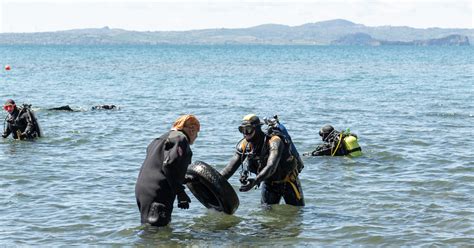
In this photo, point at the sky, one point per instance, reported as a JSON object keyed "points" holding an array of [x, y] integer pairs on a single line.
{"points": [[168, 15]]}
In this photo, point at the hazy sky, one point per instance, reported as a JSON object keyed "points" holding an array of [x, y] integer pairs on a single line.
{"points": [[154, 15]]}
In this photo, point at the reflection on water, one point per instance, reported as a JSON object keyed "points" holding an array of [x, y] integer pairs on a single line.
{"points": [[215, 221], [280, 221]]}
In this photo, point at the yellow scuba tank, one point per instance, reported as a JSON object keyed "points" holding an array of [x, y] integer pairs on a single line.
{"points": [[352, 146]]}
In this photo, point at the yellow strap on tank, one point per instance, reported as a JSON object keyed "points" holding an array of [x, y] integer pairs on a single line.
{"points": [[289, 179], [338, 143]]}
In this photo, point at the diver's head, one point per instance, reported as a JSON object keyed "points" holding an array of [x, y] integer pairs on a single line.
{"points": [[9, 106], [250, 127], [189, 125], [325, 131]]}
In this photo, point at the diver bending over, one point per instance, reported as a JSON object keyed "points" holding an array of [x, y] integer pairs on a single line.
{"points": [[162, 174]]}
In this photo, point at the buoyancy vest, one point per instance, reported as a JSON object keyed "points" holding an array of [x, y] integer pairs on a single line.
{"points": [[257, 158]]}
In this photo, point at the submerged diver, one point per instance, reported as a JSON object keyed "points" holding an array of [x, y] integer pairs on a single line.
{"points": [[63, 108], [97, 107], [268, 156], [162, 174], [336, 143], [104, 106], [20, 122]]}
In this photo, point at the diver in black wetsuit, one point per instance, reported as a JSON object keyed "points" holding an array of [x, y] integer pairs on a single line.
{"points": [[267, 156], [97, 107], [336, 143], [162, 174], [21, 123], [63, 108], [104, 106]]}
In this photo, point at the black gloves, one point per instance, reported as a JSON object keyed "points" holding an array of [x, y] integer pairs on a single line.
{"points": [[4, 136], [183, 200], [250, 184], [189, 179]]}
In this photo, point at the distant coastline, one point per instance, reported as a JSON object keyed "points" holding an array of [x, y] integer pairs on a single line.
{"points": [[362, 39], [332, 32]]}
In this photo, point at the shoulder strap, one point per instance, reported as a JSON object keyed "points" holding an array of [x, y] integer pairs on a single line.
{"points": [[30, 118], [275, 136], [243, 145], [337, 147], [20, 112]]}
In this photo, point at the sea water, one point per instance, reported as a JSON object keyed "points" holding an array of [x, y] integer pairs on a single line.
{"points": [[411, 107]]}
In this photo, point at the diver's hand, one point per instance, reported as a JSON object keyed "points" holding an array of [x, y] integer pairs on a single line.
{"points": [[189, 179], [183, 200], [23, 135], [250, 184], [4, 136]]}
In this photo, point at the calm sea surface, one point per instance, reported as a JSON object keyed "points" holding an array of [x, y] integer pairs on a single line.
{"points": [[412, 108]]}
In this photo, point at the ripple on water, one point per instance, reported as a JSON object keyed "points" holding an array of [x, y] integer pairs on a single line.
{"points": [[412, 187]]}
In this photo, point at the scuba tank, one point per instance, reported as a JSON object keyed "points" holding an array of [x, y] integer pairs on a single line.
{"points": [[274, 125], [351, 145]]}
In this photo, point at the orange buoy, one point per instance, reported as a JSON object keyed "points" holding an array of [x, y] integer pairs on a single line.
{"points": [[7, 67]]}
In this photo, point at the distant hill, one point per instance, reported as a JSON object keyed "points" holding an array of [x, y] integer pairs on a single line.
{"points": [[319, 33], [362, 39]]}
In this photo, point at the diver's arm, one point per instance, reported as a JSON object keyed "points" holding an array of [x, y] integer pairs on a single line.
{"points": [[7, 132], [232, 166], [276, 149], [322, 150]]}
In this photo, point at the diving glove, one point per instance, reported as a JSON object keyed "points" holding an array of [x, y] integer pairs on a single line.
{"points": [[190, 179], [183, 200], [251, 182]]}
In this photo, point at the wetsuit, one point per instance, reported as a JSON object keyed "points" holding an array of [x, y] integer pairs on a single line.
{"points": [[269, 158], [63, 108], [328, 148], [21, 124], [161, 177]]}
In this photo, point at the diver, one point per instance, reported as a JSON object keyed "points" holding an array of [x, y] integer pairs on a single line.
{"points": [[336, 143], [162, 174], [268, 156], [63, 108], [105, 106], [20, 122], [96, 107]]}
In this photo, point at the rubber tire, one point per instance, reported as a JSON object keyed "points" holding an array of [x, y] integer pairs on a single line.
{"points": [[211, 188]]}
